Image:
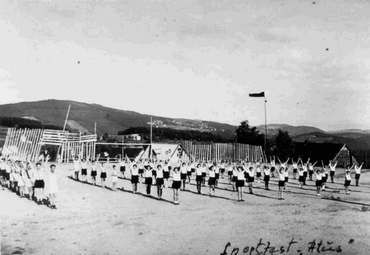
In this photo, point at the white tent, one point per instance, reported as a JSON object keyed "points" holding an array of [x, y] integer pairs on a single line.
{"points": [[164, 151]]}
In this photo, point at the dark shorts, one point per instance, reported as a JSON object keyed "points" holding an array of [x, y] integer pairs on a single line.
{"points": [[234, 178], [357, 176], [159, 181], [198, 178], [304, 174], [154, 173], [183, 176], [84, 171], [141, 171], [134, 179], [286, 179], [230, 173], [204, 175], [318, 183], [2, 172], [281, 183], [6, 176], [240, 183], [217, 176], [188, 173], [266, 178], [193, 170], [222, 170], [211, 181], [246, 175], [332, 173], [122, 168], [148, 180], [103, 175], [301, 178], [258, 174], [310, 172], [94, 173], [295, 170], [347, 183], [251, 179], [272, 169], [166, 175], [324, 179], [176, 184], [39, 184]]}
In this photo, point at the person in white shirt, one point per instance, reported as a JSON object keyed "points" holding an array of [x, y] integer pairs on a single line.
{"points": [[134, 177], [358, 173], [347, 180], [198, 177], [204, 173], [281, 184], [148, 175], [258, 172], [211, 180], [301, 176], [114, 177], [295, 169], [84, 166], [318, 177], [332, 166], [217, 174], [52, 187], [39, 183], [76, 167], [266, 177], [94, 171], [104, 167], [159, 181], [183, 174], [176, 184], [250, 178], [240, 182], [166, 174], [311, 168]]}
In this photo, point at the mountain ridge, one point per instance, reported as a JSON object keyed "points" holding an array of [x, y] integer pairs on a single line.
{"points": [[111, 120]]}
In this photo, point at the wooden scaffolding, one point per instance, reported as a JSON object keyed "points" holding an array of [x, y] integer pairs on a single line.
{"points": [[25, 144]]}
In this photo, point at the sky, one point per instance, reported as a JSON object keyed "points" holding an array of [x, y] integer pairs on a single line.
{"points": [[194, 59]]}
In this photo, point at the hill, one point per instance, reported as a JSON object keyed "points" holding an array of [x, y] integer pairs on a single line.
{"points": [[109, 120], [272, 129]]}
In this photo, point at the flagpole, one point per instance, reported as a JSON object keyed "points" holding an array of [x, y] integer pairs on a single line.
{"points": [[265, 124]]}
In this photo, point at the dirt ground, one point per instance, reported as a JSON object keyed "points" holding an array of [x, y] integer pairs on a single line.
{"points": [[94, 220]]}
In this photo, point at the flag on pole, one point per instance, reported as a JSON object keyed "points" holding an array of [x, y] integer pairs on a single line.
{"points": [[261, 94]]}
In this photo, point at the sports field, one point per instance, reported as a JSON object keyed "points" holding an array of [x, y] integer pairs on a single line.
{"points": [[95, 220]]}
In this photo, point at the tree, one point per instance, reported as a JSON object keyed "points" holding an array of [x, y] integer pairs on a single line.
{"points": [[284, 146], [248, 135]]}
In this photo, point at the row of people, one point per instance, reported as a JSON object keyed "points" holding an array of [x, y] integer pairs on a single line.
{"points": [[36, 182], [240, 174]]}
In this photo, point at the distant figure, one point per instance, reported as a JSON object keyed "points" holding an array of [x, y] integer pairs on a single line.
{"points": [[358, 173]]}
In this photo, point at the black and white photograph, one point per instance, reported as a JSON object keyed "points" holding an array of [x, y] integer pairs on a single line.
{"points": [[190, 127]]}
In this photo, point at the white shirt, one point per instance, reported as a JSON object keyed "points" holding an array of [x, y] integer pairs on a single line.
{"points": [[159, 173], [240, 175], [358, 170], [134, 171], [148, 174], [348, 177], [211, 173], [176, 176]]}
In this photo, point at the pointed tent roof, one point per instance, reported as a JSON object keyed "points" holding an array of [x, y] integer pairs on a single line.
{"points": [[344, 157], [164, 151]]}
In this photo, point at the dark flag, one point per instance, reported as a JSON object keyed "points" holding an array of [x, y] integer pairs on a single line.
{"points": [[262, 94]]}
